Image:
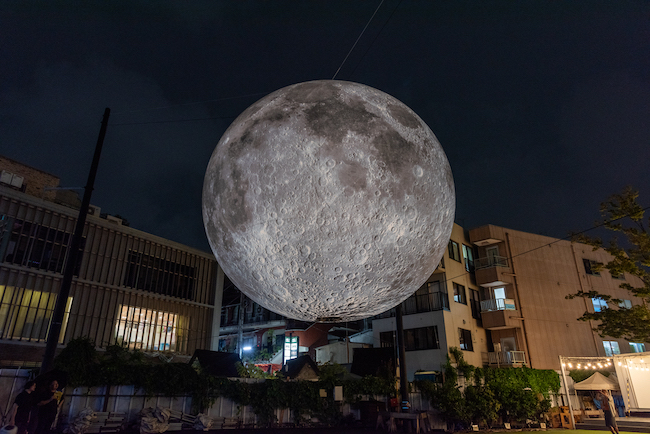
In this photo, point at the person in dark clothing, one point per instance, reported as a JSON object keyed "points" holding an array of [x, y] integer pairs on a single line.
{"points": [[19, 413], [47, 404], [608, 409]]}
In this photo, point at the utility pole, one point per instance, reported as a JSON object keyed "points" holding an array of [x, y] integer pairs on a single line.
{"points": [[73, 253], [403, 380]]}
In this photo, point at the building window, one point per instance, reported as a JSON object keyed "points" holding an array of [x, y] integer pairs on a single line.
{"points": [[387, 339], [454, 252], [423, 338], [290, 348], [475, 303], [465, 340], [625, 304], [637, 347], [35, 246], [428, 298], [147, 329], [459, 294], [468, 255], [599, 304], [26, 314], [591, 267], [154, 274], [611, 348]]}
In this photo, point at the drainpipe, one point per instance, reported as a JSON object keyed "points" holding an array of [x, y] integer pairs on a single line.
{"points": [[521, 309], [582, 288]]}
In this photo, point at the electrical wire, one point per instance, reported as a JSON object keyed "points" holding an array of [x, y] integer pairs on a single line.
{"points": [[376, 36], [355, 42]]}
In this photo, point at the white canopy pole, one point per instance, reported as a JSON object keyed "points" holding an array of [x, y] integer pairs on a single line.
{"points": [[566, 390]]}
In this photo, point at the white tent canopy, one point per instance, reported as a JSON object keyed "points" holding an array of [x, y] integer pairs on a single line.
{"points": [[597, 382]]}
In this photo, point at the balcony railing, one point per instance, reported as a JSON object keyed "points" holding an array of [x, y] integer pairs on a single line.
{"points": [[491, 261], [230, 316], [507, 357], [495, 304], [425, 303]]}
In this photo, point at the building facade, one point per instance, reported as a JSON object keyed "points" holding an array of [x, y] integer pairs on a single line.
{"points": [[130, 288], [524, 280], [443, 313]]}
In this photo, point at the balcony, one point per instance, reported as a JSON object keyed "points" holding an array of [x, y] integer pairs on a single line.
{"points": [[507, 358], [497, 304], [491, 261], [492, 271], [500, 313]]}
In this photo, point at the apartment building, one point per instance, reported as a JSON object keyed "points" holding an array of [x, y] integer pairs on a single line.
{"points": [[524, 279], [130, 287], [444, 312]]}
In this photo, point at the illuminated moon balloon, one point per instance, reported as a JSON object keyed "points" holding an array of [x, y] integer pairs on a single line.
{"points": [[328, 201]]}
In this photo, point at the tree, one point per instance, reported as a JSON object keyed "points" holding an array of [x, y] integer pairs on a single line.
{"points": [[622, 214]]}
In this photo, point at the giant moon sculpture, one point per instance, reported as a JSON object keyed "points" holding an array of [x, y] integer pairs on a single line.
{"points": [[328, 201]]}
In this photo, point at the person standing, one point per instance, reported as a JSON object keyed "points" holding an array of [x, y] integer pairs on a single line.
{"points": [[19, 413], [608, 409], [47, 404]]}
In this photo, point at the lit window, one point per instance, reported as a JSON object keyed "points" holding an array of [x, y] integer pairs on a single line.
{"points": [[148, 329], [637, 347], [611, 348], [26, 314], [625, 304], [599, 304], [290, 348]]}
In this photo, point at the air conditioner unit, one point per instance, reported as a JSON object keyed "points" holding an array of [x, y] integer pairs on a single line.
{"points": [[94, 210]]}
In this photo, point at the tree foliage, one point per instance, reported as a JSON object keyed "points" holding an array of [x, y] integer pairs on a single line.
{"points": [[623, 215]]}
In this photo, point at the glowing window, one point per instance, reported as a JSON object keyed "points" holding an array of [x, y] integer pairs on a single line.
{"points": [[611, 347], [599, 304], [26, 314], [637, 347], [147, 329]]}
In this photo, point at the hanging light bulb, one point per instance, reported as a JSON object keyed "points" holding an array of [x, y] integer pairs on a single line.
{"points": [[570, 366], [620, 363]]}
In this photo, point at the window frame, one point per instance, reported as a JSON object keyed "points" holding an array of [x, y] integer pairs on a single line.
{"points": [[454, 251], [589, 267], [468, 256], [460, 295], [465, 340], [611, 348], [599, 304]]}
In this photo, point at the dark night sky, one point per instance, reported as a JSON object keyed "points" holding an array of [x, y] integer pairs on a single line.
{"points": [[543, 108]]}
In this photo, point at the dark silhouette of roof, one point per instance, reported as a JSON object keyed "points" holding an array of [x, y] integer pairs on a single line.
{"points": [[294, 367], [217, 363], [373, 361]]}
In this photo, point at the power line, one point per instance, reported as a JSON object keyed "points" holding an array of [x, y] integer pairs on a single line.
{"points": [[557, 240], [355, 42], [376, 36]]}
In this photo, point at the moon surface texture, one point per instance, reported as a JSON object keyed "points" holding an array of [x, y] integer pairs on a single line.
{"points": [[328, 201]]}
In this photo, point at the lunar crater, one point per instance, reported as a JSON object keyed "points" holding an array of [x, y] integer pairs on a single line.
{"points": [[353, 177]]}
